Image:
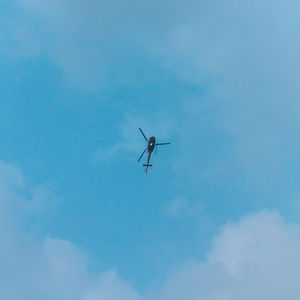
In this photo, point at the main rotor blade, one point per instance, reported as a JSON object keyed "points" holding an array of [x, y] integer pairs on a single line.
{"points": [[160, 144], [142, 155], [143, 134]]}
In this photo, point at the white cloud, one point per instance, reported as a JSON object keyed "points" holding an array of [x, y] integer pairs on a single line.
{"points": [[246, 57], [54, 269], [27, 198], [49, 268], [110, 286], [257, 257], [95, 41]]}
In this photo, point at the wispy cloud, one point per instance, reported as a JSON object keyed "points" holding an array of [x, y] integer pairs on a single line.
{"points": [[19, 196], [130, 143], [181, 207], [248, 69]]}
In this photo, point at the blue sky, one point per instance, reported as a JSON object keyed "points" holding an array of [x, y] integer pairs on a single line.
{"points": [[79, 218]]}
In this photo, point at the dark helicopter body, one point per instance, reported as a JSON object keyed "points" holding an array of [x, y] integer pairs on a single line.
{"points": [[151, 144], [150, 147]]}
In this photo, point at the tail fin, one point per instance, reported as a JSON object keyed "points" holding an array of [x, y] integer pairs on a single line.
{"points": [[146, 170]]}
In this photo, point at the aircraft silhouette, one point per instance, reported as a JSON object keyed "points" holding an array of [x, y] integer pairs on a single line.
{"points": [[151, 145]]}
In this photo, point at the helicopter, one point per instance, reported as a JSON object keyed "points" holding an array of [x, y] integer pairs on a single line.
{"points": [[151, 145]]}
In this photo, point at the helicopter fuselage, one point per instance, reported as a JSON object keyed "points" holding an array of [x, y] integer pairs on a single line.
{"points": [[151, 144]]}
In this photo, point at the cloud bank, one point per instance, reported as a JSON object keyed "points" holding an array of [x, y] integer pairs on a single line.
{"points": [[46, 268], [257, 257]]}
